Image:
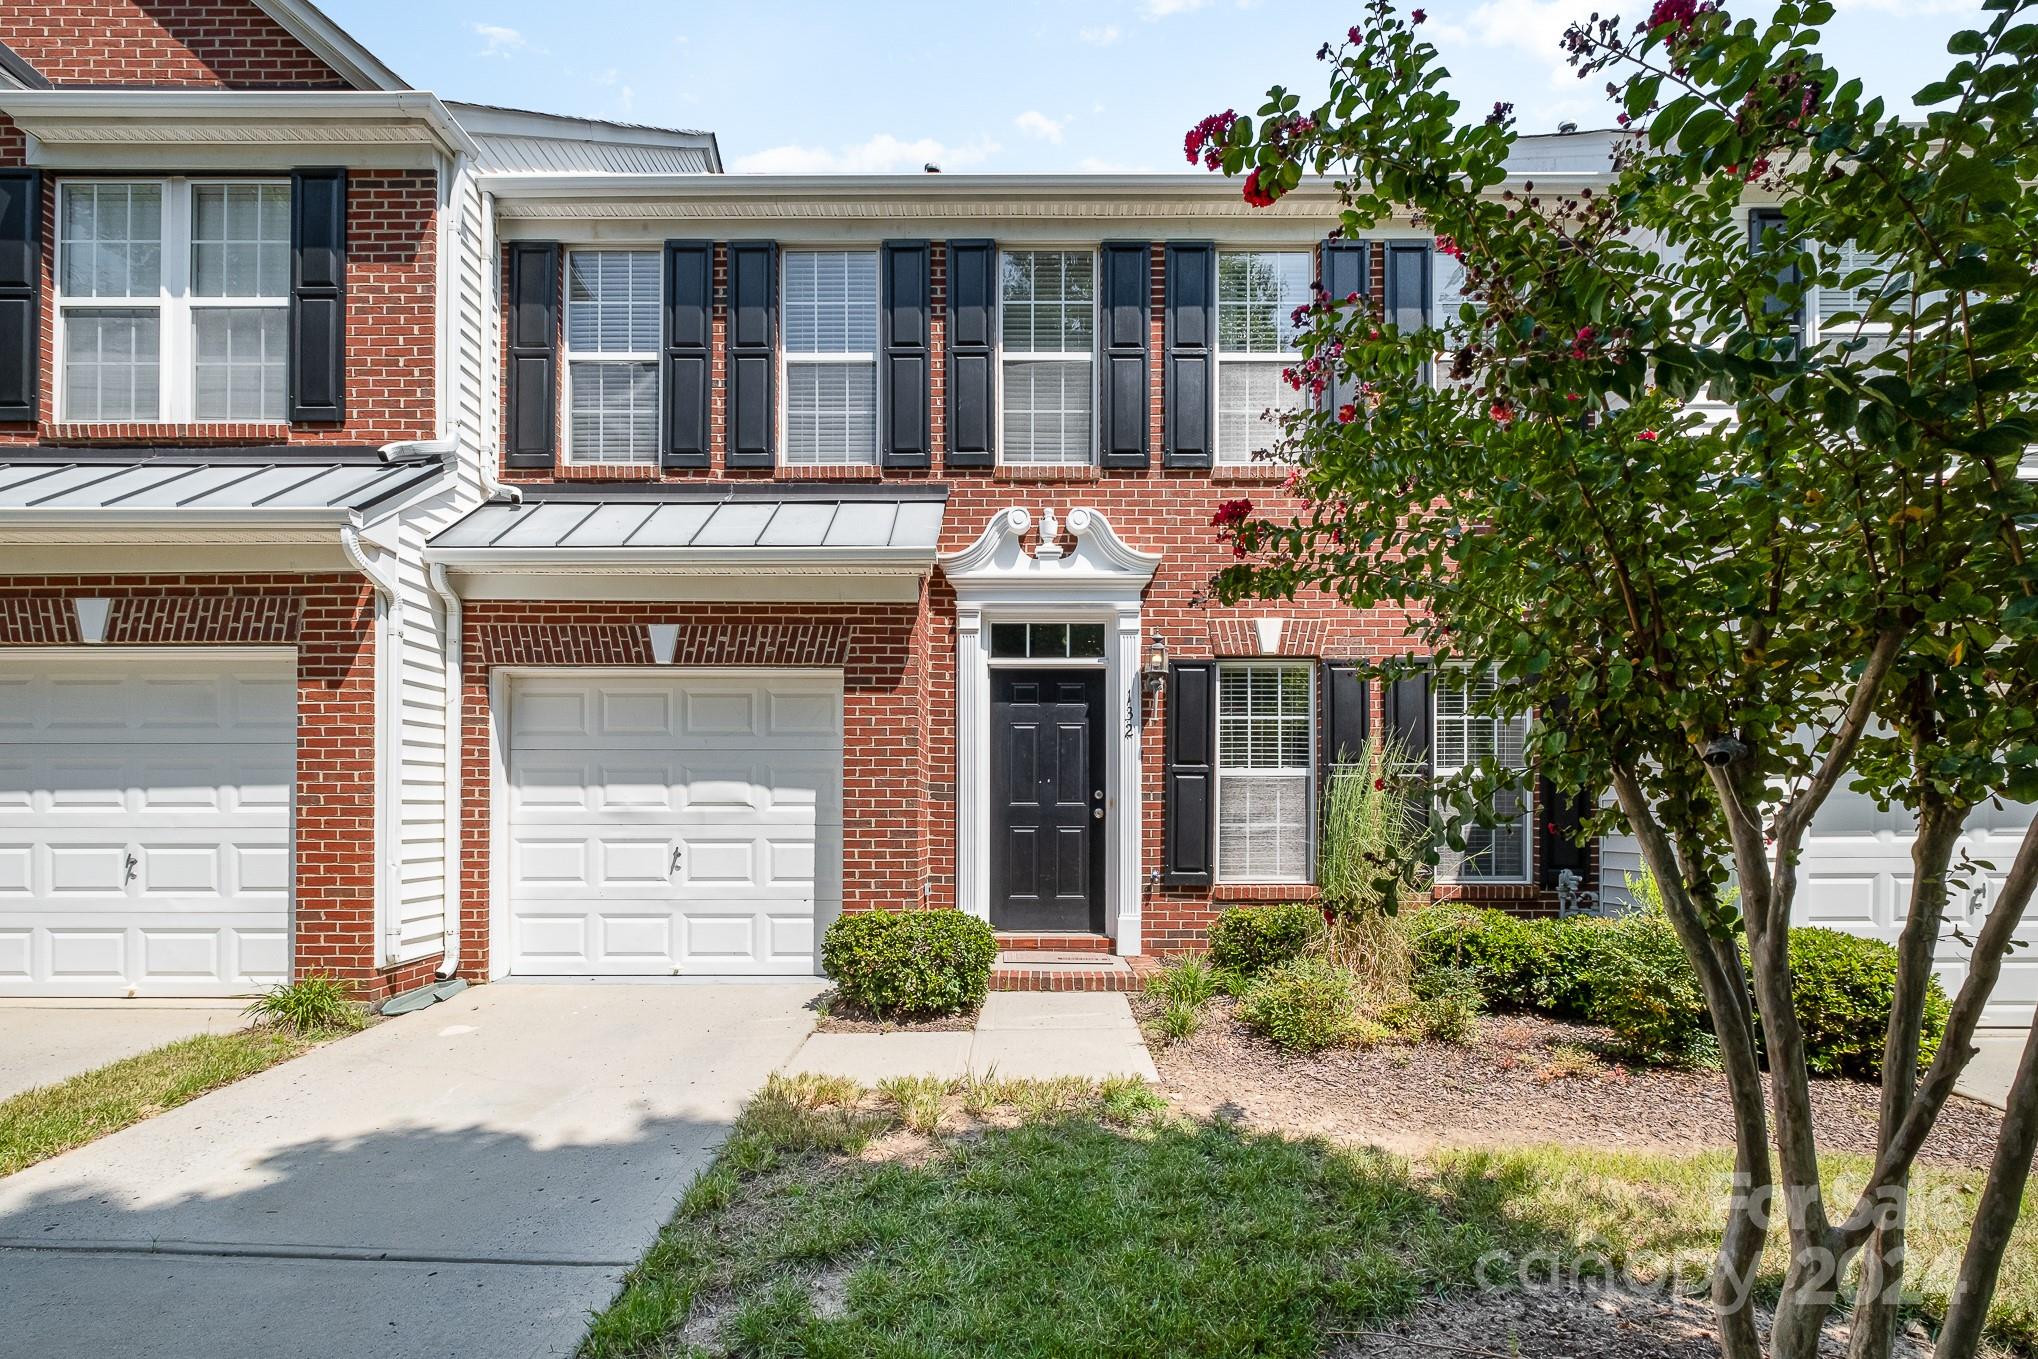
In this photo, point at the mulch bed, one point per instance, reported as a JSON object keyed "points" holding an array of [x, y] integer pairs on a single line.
{"points": [[1523, 1079]]}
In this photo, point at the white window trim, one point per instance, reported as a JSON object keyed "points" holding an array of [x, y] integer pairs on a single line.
{"points": [[1089, 356], [1224, 774], [569, 357], [787, 358], [1286, 358], [175, 307], [1528, 799]]}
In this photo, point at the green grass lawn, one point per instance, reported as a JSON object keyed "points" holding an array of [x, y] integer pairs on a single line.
{"points": [[1071, 1220], [40, 1123]]}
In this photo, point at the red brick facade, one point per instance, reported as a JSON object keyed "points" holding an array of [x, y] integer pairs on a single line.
{"points": [[329, 620], [900, 794], [223, 44]]}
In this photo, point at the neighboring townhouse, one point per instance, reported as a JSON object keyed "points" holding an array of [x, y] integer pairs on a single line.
{"points": [[443, 539], [245, 371]]}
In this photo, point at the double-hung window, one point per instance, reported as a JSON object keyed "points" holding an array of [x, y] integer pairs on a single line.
{"points": [[1863, 281], [1047, 309], [612, 340], [1460, 738], [1257, 293], [830, 311], [173, 300], [1266, 772]]}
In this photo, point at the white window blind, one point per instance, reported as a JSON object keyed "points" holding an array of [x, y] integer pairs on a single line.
{"points": [[1266, 770], [172, 299], [1257, 293], [830, 314], [612, 339], [1047, 331], [1460, 738]]}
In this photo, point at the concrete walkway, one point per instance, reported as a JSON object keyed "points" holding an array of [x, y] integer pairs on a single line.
{"points": [[46, 1041], [1988, 1076], [1019, 1033], [471, 1179]]}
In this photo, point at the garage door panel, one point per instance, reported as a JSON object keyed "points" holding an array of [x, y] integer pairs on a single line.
{"points": [[145, 804], [672, 822]]}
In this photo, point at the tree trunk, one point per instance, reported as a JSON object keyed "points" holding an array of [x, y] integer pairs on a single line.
{"points": [[1995, 1215], [1880, 1288]]}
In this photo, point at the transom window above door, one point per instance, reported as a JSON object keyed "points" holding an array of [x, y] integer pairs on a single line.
{"points": [[612, 339], [1047, 641], [1257, 293], [173, 299], [830, 311], [1047, 330]]}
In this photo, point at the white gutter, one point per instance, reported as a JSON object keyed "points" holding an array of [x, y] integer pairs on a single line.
{"points": [[735, 560], [449, 599]]}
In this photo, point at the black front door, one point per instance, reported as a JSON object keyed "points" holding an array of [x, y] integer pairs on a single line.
{"points": [[1047, 800]]}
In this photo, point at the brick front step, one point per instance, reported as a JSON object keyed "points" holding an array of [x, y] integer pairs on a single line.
{"points": [[1052, 941], [1067, 970]]}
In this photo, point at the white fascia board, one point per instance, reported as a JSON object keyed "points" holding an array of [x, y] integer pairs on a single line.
{"points": [[78, 120], [731, 587], [686, 560]]}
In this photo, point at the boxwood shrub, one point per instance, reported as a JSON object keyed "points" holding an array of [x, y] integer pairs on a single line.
{"points": [[1247, 940], [910, 964], [1843, 985]]}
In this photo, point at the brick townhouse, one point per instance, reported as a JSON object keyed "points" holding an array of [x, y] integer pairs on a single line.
{"points": [[444, 539]]}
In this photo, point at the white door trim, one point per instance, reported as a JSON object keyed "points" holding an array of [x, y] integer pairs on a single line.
{"points": [[501, 681], [996, 579]]}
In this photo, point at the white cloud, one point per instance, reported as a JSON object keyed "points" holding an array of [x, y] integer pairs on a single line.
{"points": [[500, 41], [1034, 123], [1161, 9], [1102, 36], [1910, 8], [882, 154], [1097, 165]]}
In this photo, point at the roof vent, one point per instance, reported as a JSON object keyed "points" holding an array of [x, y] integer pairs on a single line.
{"points": [[1566, 128]]}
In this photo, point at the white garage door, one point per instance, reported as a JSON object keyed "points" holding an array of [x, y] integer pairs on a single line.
{"points": [[1857, 877], [665, 823], [145, 821]]}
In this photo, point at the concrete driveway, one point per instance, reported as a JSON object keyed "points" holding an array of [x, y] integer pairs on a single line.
{"points": [[471, 1179], [46, 1041]]}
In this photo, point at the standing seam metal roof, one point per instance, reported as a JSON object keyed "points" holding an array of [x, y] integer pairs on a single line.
{"points": [[904, 524], [198, 485]]}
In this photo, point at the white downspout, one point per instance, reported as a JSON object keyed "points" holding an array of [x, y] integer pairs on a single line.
{"points": [[456, 741], [387, 643]]}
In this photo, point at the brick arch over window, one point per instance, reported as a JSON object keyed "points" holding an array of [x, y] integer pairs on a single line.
{"points": [[225, 44]]}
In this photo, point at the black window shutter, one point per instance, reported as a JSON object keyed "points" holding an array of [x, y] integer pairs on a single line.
{"points": [[1346, 715], [1124, 297], [533, 434], [1191, 791], [1558, 817], [972, 351], [1191, 334], [20, 294], [1407, 299], [317, 355], [1769, 223], [753, 310], [685, 372], [906, 337], [1408, 716], [1347, 269]]}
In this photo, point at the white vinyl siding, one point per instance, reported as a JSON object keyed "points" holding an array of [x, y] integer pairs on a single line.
{"points": [[830, 317], [173, 300], [1460, 738], [1257, 292], [612, 339], [1266, 773], [1047, 331]]}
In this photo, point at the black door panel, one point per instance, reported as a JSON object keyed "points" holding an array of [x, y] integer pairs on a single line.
{"points": [[1047, 777]]}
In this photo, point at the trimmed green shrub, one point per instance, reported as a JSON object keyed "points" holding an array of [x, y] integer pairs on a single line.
{"points": [[1443, 1006], [1843, 986], [1250, 939], [1644, 990], [1507, 954], [1570, 947], [910, 964], [1303, 1005]]}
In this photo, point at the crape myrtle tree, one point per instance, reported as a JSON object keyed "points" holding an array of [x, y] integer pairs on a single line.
{"points": [[1731, 566]]}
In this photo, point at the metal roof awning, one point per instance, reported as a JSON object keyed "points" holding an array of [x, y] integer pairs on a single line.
{"points": [[814, 542], [182, 495]]}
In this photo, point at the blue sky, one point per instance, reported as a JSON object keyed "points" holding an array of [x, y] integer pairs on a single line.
{"points": [[1054, 85]]}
